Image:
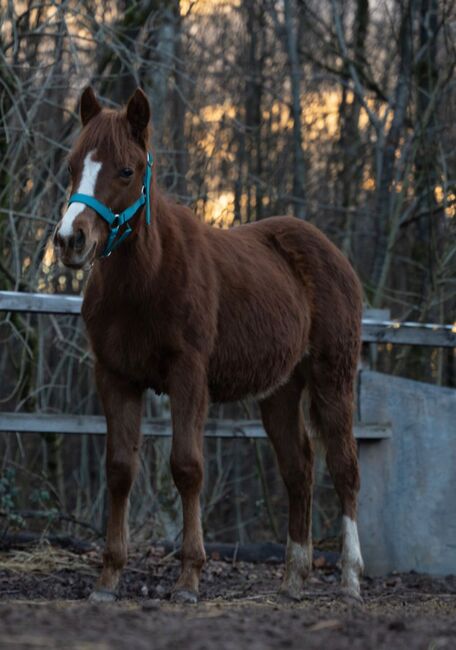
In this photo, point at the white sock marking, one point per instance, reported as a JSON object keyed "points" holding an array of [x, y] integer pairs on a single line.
{"points": [[298, 566], [299, 556], [87, 184], [352, 561]]}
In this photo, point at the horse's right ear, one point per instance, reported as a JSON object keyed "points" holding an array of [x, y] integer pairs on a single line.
{"points": [[138, 115], [90, 105]]}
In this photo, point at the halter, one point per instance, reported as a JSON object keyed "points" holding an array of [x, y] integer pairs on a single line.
{"points": [[117, 220]]}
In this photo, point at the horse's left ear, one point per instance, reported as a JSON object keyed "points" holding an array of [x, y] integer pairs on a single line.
{"points": [[90, 105], [138, 114]]}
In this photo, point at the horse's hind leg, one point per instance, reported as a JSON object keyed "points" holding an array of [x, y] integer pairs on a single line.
{"points": [[283, 421], [331, 413]]}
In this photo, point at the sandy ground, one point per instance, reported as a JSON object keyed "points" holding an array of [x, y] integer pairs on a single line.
{"points": [[42, 605]]}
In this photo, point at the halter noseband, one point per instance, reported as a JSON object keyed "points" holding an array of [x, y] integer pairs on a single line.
{"points": [[117, 220]]}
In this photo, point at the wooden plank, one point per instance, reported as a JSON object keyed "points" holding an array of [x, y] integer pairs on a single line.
{"points": [[428, 334], [96, 425], [372, 432], [40, 303], [374, 330], [158, 427]]}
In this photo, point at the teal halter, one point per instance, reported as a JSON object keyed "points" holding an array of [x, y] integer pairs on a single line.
{"points": [[116, 221]]}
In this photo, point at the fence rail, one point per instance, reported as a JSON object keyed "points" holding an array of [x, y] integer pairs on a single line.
{"points": [[373, 331], [157, 427]]}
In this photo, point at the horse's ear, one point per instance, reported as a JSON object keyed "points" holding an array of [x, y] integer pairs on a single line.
{"points": [[138, 115], [90, 105]]}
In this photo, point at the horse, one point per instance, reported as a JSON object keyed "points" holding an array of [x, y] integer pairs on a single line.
{"points": [[266, 309]]}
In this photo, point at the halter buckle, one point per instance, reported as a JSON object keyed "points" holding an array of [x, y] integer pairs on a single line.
{"points": [[116, 222]]}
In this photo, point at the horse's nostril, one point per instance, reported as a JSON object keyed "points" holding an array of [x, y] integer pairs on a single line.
{"points": [[79, 239], [58, 239], [69, 244]]}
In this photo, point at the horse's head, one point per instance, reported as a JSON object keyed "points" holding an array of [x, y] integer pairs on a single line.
{"points": [[108, 163]]}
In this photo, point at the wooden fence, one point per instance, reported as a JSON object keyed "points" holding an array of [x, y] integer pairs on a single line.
{"points": [[373, 331], [405, 430]]}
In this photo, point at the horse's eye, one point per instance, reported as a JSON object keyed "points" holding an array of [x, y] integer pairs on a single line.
{"points": [[126, 172], [70, 170]]}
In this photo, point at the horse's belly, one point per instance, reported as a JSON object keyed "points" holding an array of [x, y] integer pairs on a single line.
{"points": [[255, 354], [241, 381]]}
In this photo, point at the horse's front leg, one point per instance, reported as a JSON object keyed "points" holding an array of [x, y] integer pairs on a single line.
{"points": [[189, 398], [122, 404]]}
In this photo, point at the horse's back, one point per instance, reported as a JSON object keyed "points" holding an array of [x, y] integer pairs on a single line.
{"points": [[291, 257], [272, 276]]}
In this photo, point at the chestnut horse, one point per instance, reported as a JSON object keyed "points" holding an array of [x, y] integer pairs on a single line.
{"points": [[265, 309]]}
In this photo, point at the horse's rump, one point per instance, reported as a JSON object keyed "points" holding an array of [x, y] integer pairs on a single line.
{"points": [[273, 292]]}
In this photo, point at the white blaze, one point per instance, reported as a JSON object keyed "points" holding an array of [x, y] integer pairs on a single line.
{"points": [[86, 186]]}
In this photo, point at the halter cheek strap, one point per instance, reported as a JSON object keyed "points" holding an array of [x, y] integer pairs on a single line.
{"points": [[117, 220]]}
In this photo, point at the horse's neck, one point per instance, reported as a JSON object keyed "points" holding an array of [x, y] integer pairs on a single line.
{"points": [[133, 269]]}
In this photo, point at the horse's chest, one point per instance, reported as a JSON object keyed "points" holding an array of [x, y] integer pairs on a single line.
{"points": [[132, 350]]}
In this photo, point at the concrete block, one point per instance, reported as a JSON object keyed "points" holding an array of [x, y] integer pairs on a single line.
{"points": [[407, 508]]}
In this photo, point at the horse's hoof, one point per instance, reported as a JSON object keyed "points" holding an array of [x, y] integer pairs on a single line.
{"points": [[102, 596], [352, 595], [290, 593], [184, 596]]}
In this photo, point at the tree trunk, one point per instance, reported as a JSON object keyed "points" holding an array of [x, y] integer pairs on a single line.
{"points": [[385, 189], [299, 172], [350, 176], [179, 111], [426, 175], [253, 108]]}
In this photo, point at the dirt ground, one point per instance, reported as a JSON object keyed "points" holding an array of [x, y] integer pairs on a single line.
{"points": [[42, 606]]}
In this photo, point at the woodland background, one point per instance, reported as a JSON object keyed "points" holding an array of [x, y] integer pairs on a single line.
{"points": [[340, 112]]}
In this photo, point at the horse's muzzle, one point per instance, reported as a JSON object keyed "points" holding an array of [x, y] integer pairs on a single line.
{"points": [[73, 250]]}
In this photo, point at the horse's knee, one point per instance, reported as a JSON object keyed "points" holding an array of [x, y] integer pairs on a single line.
{"points": [[187, 470], [121, 472]]}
